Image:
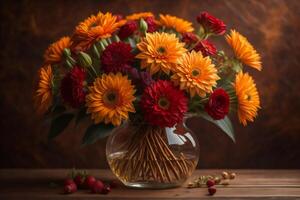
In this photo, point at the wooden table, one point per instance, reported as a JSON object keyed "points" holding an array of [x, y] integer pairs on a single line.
{"points": [[249, 184]]}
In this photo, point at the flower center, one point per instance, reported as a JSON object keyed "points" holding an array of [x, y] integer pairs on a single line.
{"points": [[195, 72], [94, 24], [163, 103], [161, 50], [248, 97], [110, 98]]}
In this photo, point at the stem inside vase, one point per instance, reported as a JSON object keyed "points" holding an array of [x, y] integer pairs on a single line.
{"points": [[148, 157]]}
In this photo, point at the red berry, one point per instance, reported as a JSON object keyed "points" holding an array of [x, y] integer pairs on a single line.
{"points": [[70, 188], [89, 181], [69, 181], [79, 180], [212, 190], [106, 189], [97, 187], [210, 183], [113, 184]]}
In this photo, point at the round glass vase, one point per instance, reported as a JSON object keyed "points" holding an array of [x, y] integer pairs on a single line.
{"points": [[144, 156]]}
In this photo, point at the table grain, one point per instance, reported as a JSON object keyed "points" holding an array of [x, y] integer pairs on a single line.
{"points": [[35, 184]]}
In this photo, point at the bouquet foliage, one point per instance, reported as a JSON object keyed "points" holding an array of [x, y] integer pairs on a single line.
{"points": [[146, 69]]}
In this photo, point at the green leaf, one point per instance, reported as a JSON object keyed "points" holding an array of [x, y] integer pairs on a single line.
{"points": [[95, 132], [58, 109], [224, 124], [58, 124], [80, 115]]}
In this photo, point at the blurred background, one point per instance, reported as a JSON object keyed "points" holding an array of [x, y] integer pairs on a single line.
{"points": [[272, 26]]}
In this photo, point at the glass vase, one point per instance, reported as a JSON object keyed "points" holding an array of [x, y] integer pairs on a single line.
{"points": [[145, 156]]}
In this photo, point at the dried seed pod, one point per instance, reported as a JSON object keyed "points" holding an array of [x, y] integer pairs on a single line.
{"points": [[217, 180], [225, 175], [232, 175], [190, 185], [225, 182]]}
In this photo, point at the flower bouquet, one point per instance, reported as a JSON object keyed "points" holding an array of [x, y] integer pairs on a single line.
{"points": [[137, 79]]}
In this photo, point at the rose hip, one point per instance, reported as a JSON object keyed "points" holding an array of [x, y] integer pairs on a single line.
{"points": [[89, 181], [79, 180], [210, 183], [106, 189], [113, 184], [69, 181], [212, 190], [70, 188], [97, 187]]}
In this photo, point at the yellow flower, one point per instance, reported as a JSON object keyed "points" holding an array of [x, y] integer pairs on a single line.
{"points": [[195, 74], [110, 99], [243, 50], [247, 96], [180, 25], [95, 28], [160, 52], [43, 93], [137, 16], [54, 52]]}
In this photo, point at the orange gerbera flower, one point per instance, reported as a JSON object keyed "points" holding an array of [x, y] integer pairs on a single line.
{"points": [[247, 96], [243, 50], [137, 16], [160, 52], [54, 52], [95, 28], [180, 25], [195, 74], [110, 99], [43, 94]]}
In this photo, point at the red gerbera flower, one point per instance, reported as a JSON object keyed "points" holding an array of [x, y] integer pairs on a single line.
{"points": [[218, 104], [117, 57], [163, 104], [207, 48], [72, 88], [211, 23], [152, 26], [189, 38], [127, 30]]}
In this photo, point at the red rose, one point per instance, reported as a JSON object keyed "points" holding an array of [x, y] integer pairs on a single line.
{"points": [[206, 48], [127, 30], [72, 87], [211, 23], [218, 104], [117, 57], [152, 26], [189, 38]]}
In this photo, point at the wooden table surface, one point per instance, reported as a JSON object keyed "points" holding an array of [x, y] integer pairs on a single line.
{"points": [[249, 184]]}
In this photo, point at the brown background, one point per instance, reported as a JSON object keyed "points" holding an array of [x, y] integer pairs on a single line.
{"points": [[28, 27]]}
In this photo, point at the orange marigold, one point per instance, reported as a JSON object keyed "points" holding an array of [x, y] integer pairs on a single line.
{"points": [[43, 93], [137, 16], [247, 96], [95, 28], [54, 52], [243, 50], [160, 52], [110, 99], [180, 25]]}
